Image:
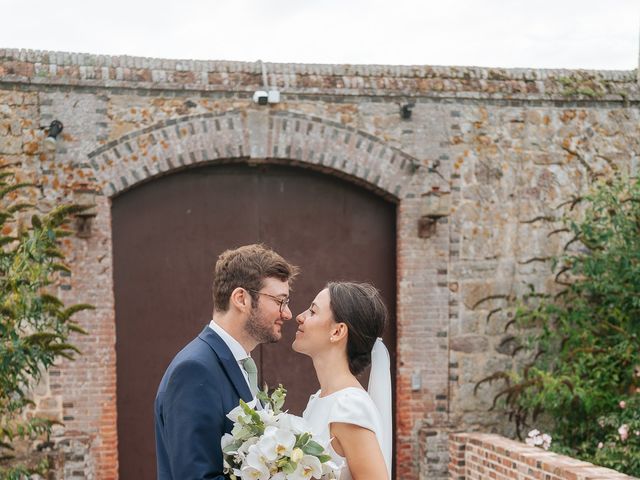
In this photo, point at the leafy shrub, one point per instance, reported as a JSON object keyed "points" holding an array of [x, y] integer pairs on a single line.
{"points": [[582, 346], [34, 324]]}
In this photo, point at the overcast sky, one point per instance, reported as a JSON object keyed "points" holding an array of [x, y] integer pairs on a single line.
{"points": [[598, 34]]}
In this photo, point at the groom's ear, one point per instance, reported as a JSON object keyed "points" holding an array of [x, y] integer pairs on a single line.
{"points": [[240, 299]]}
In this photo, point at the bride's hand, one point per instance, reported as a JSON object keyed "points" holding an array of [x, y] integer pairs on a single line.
{"points": [[361, 449]]}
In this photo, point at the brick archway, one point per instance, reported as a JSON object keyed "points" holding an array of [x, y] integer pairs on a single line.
{"points": [[254, 136]]}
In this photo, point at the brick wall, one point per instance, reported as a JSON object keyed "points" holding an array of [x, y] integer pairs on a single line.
{"points": [[476, 455]]}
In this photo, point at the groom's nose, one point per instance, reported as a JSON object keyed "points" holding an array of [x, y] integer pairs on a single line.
{"points": [[286, 313]]}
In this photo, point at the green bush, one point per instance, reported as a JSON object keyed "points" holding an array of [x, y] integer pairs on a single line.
{"points": [[582, 346], [34, 324]]}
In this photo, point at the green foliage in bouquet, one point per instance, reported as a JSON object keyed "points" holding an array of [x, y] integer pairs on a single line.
{"points": [[275, 401], [582, 346], [34, 324]]}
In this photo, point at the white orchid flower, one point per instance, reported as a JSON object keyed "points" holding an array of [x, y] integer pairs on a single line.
{"points": [[244, 448], [268, 418], [254, 473], [242, 452], [308, 467], [235, 414], [331, 468], [255, 466], [279, 476], [294, 424], [255, 457], [276, 442]]}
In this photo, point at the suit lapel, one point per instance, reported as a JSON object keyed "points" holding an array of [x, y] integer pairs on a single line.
{"points": [[228, 362]]}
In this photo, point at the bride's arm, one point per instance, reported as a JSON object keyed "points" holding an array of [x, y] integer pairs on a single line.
{"points": [[361, 449]]}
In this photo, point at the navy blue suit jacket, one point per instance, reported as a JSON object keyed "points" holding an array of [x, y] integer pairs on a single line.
{"points": [[202, 384]]}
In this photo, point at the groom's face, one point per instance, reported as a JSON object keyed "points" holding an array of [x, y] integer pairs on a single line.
{"points": [[269, 313]]}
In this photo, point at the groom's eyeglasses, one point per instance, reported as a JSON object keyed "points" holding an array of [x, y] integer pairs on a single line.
{"points": [[283, 302]]}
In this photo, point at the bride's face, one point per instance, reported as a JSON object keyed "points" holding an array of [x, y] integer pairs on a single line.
{"points": [[314, 326]]}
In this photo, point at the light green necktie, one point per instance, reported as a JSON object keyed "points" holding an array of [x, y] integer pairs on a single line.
{"points": [[252, 372]]}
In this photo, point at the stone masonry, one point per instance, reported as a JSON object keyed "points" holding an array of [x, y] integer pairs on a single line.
{"points": [[506, 147]]}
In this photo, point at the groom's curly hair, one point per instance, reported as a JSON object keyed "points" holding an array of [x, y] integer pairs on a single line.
{"points": [[247, 267]]}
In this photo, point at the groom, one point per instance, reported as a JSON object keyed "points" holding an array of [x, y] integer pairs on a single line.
{"points": [[209, 376]]}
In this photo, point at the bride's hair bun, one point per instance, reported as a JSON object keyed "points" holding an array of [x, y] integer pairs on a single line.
{"points": [[360, 307]]}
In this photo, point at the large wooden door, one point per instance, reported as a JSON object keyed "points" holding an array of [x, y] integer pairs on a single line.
{"points": [[167, 235]]}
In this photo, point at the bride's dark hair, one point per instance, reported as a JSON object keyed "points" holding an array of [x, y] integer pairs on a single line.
{"points": [[360, 307]]}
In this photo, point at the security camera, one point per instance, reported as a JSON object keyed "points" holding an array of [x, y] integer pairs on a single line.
{"points": [[260, 97]]}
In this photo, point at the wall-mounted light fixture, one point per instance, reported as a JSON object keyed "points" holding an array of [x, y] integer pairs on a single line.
{"points": [[85, 197], [435, 205], [405, 110], [53, 131]]}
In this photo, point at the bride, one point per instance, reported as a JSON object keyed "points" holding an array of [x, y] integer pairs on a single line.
{"points": [[340, 332]]}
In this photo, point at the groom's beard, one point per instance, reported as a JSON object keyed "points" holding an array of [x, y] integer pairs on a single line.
{"points": [[260, 329]]}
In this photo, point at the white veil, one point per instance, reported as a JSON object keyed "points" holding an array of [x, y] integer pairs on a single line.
{"points": [[380, 392]]}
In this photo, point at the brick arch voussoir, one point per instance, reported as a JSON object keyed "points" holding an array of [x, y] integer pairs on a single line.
{"points": [[353, 153], [255, 135]]}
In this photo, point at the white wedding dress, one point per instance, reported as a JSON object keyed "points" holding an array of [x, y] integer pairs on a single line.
{"points": [[349, 405]]}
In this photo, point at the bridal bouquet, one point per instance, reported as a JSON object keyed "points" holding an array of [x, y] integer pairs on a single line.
{"points": [[270, 444]]}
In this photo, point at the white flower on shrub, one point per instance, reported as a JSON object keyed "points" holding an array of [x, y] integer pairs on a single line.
{"points": [[537, 439], [624, 432]]}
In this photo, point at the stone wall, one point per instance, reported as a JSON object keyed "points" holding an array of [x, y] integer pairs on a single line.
{"points": [[516, 168], [507, 146]]}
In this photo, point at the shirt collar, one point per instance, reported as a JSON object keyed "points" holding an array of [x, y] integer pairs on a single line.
{"points": [[237, 350]]}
